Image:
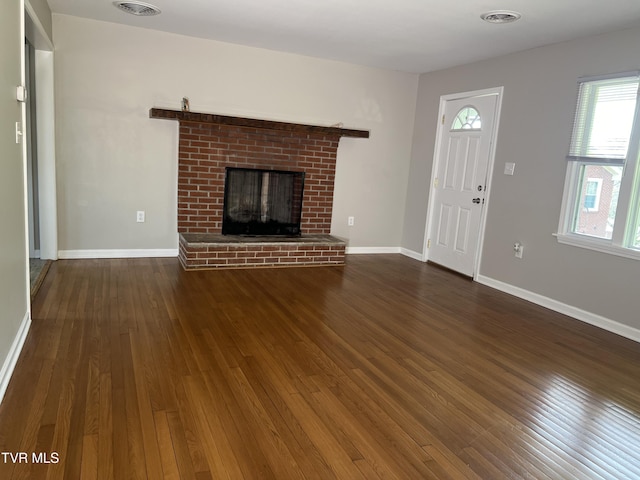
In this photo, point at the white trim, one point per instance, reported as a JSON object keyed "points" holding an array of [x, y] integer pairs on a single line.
{"points": [[569, 310], [411, 254], [25, 200], [14, 352], [46, 145], [137, 253], [597, 244], [369, 250], [170, 252]]}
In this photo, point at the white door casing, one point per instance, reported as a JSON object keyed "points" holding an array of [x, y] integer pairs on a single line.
{"points": [[460, 181]]}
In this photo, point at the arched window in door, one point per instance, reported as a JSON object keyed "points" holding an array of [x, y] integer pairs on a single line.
{"points": [[468, 118]]}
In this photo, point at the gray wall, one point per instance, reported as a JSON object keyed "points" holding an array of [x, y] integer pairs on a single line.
{"points": [[13, 256], [538, 105], [42, 15], [14, 265]]}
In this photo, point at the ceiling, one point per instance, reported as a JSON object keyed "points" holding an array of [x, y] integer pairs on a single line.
{"points": [[405, 35]]}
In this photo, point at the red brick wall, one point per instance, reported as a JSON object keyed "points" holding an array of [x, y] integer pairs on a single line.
{"points": [[206, 149], [195, 256]]}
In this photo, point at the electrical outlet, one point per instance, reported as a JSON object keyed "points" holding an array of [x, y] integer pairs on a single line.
{"points": [[140, 216], [518, 249], [350, 221]]}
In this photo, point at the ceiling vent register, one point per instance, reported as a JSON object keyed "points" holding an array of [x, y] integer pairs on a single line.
{"points": [[137, 8], [500, 16]]}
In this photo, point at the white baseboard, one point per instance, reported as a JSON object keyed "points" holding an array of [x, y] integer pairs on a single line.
{"points": [[569, 310], [368, 250], [14, 353], [374, 250], [411, 254], [135, 253]]}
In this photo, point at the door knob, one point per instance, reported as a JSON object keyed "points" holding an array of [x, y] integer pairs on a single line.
{"points": [[476, 200]]}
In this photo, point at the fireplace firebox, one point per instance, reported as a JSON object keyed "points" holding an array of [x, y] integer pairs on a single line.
{"points": [[262, 202]]}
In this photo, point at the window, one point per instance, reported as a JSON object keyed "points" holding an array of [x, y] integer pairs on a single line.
{"points": [[468, 118], [602, 190], [598, 200], [592, 192]]}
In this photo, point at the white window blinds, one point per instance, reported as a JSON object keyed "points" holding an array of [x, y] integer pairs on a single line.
{"points": [[604, 119]]}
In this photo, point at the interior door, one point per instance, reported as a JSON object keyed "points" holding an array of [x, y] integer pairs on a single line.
{"points": [[460, 184]]}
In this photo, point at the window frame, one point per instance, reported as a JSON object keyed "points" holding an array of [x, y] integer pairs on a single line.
{"points": [[628, 208]]}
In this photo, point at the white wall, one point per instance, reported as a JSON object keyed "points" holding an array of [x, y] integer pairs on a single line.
{"points": [[113, 160], [540, 88]]}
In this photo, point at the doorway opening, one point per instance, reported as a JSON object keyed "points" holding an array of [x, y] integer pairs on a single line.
{"points": [[39, 119], [37, 266]]}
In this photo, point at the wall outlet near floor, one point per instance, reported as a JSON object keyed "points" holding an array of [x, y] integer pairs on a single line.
{"points": [[351, 221], [140, 216], [518, 249]]}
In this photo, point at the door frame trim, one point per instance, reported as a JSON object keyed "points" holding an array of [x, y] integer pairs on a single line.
{"points": [[498, 91]]}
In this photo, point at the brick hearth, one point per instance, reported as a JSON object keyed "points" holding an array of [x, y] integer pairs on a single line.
{"points": [[199, 251], [209, 144]]}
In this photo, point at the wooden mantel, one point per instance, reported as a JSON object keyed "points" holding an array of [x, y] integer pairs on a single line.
{"points": [[255, 123]]}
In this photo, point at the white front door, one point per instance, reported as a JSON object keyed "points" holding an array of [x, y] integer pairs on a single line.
{"points": [[460, 181]]}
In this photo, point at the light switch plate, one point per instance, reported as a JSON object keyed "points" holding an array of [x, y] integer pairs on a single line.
{"points": [[509, 167]]}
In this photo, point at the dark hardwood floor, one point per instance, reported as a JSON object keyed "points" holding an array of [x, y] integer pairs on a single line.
{"points": [[387, 368]]}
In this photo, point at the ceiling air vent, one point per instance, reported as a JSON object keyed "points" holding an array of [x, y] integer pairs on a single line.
{"points": [[500, 16], [137, 8]]}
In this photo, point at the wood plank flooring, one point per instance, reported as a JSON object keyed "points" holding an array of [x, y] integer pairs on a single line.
{"points": [[387, 368]]}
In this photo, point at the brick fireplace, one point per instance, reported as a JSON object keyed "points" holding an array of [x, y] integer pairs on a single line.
{"points": [[208, 144]]}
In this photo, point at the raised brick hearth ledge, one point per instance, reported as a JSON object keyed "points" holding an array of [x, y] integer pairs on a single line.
{"points": [[200, 251]]}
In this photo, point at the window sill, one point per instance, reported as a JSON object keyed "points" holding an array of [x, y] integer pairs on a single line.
{"points": [[597, 245]]}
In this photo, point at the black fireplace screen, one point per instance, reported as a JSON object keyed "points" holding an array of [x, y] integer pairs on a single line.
{"points": [[262, 202]]}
